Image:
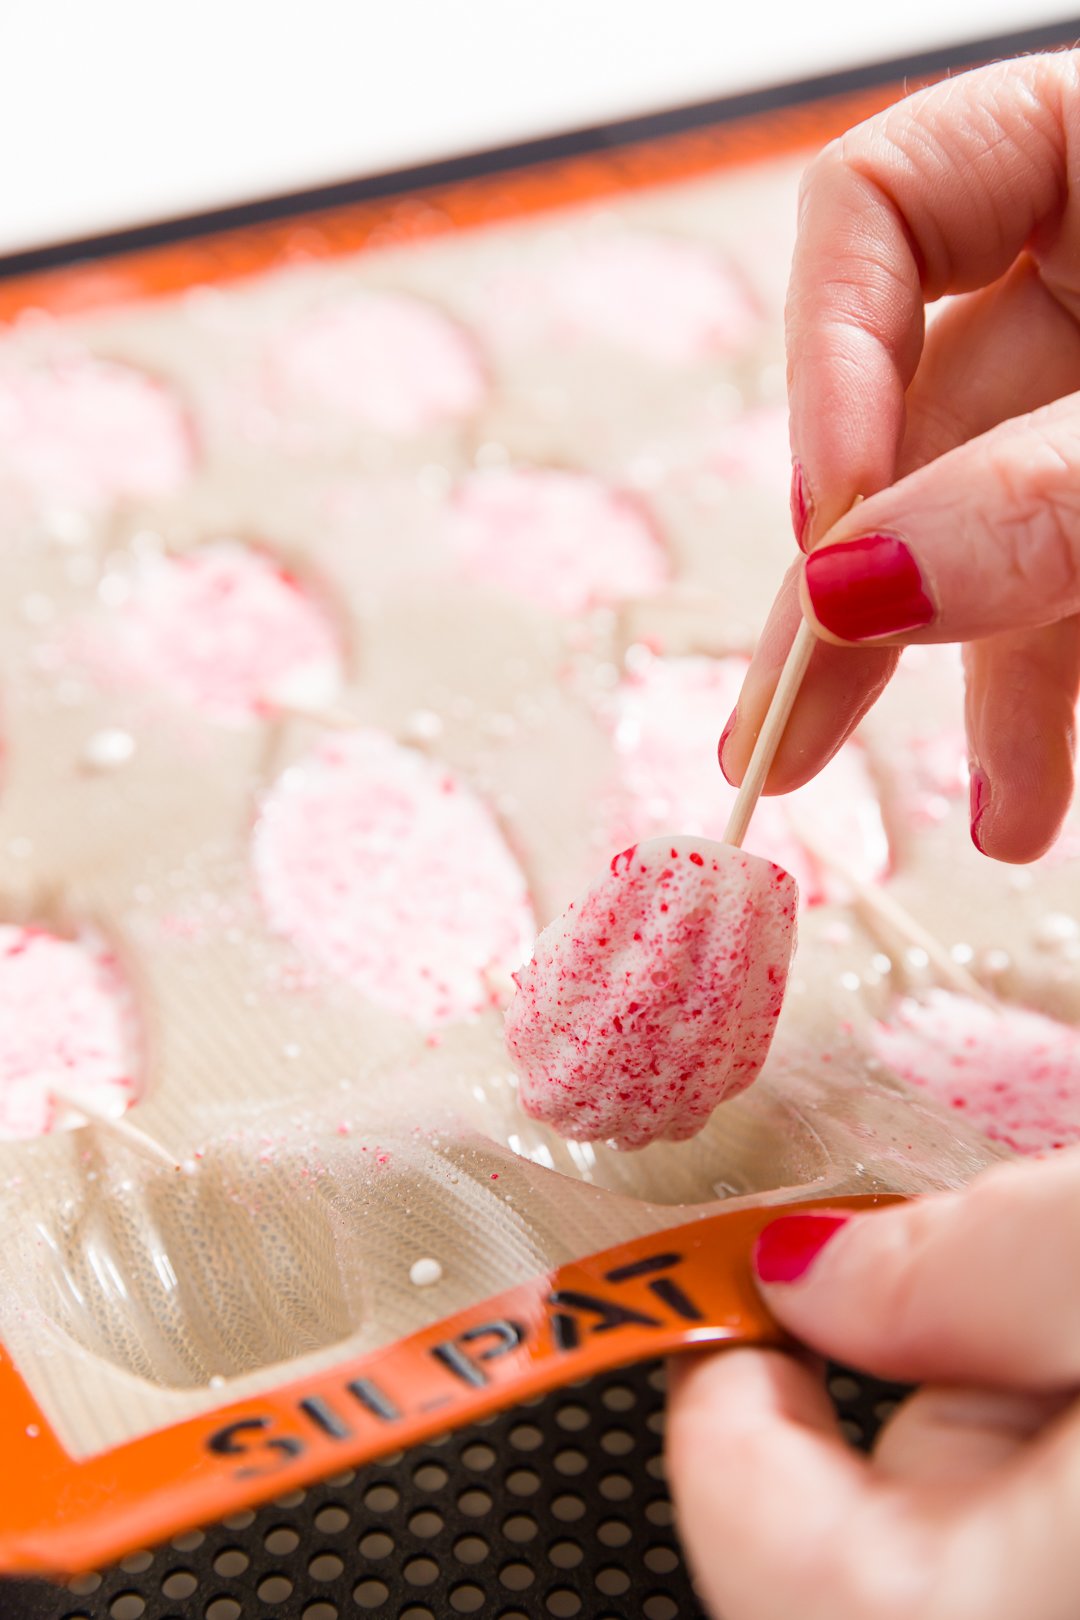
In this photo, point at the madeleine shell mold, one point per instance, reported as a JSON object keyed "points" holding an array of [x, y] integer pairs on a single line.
{"points": [[335, 1139]]}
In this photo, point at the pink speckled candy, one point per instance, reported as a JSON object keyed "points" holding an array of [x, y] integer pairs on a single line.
{"points": [[668, 300], [387, 361], [562, 540], [655, 996], [666, 716], [1013, 1073], [383, 868], [66, 1019], [224, 629], [90, 432]]}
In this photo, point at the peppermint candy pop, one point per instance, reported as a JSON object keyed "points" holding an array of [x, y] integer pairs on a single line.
{"points": [[655, 996]]}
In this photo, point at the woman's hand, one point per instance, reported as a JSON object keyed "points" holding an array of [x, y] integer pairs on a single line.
{"points": [[964, 440], [970, 1506]]}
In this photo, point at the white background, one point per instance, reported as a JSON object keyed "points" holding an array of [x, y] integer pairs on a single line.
{"points": [[114, 112]]}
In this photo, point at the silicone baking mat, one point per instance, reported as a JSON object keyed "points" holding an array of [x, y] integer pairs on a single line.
{"points": [[132, 1410]]}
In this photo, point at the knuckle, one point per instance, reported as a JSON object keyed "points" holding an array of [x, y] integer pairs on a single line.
{"points": [[1037, 471]]}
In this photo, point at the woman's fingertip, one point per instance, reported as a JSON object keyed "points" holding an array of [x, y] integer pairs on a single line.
{"points": [[787, 1248], [724, 735], [980, 803], [868, 588], [802, 507]]}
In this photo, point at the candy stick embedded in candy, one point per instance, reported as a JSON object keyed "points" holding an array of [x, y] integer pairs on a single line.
{"points": [[332, 717], [657, 997], [121, 1130], [772, 729], [896, 923]]}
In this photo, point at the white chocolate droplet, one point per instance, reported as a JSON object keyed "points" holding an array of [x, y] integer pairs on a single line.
{"points": [[1055, 929], [107, 750], [423, 726], [994, 961]]}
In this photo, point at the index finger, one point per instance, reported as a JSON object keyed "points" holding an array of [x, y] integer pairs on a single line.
{"points": [[938, 195]]}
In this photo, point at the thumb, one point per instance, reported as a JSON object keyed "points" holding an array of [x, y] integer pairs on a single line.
{"points": [[984, 539], [980, 1287]]}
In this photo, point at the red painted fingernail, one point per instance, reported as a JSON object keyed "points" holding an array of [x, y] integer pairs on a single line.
{"points": [[980, 801], [802, 507], [724, 735], [788, 1247], [866, 588]]}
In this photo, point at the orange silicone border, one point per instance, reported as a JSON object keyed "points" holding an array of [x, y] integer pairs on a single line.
{"points": [[61, 1515], [466, 204], [679, 1289]]}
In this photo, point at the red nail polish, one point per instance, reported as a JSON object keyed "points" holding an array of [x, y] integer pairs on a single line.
{"points": [[724, 735], [980, 801], [788, 1247], [802, 507], [866, 588]]}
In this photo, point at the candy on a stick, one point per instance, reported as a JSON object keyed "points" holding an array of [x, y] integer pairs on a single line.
{"points": [[655, 996]]}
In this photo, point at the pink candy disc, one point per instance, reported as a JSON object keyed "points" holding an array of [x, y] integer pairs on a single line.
{"points": [[67, 1020], [562, 540], [667, 715], [386, 870], [670, 301], [1013, 1073], [91, 432], [655, 996], [225, 630], [384, 360]]}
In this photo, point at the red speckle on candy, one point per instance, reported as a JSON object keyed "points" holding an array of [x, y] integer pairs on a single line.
{"points": [[223, 630], [390, 874], [690, 984], [66, 1015], [1013, 1072]]}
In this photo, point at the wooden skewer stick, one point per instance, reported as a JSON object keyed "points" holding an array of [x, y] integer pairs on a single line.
{"points": [[896, 922], [882, 907], [772, 729], [121, 1130], [334, 719]]}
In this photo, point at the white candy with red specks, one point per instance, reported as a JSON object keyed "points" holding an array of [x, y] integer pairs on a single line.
{"points": [[90, 432], [67, 1020], [387, 871], [562, 540], [1012, 1073], [225, 630], [655, 996], [387, 361]]}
